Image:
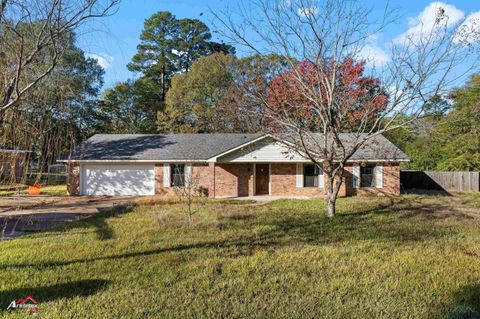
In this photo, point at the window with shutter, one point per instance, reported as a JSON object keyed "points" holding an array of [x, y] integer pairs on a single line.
{"points": [[177, 175], [367, 175]]}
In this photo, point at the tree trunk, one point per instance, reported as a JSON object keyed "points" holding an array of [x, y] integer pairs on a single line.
{"points": [[333, 184], [331, 206]]}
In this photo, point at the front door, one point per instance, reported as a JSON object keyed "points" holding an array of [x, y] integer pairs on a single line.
{"points": [[261, 179]]}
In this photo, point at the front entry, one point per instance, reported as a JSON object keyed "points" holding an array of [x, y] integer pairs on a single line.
{"points": [[262, 176]]}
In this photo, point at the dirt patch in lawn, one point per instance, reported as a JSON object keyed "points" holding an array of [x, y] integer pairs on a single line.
{"points": [[22, 214]]}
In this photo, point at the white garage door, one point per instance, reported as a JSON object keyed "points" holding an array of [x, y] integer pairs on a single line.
{"points": [[118, 180]]}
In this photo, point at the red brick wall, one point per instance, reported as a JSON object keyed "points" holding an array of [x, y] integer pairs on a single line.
{"points": [[73, 179], [283, 181], [200, 176], [232, 180], [391, 181]]}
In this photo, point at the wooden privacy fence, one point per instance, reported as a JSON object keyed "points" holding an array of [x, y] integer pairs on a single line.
{"points": [[447, 181]]}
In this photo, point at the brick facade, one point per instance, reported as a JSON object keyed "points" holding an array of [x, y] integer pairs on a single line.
{"points": [[236, 180], [200, 178], [391, 182], [232, 180], [283, 178]]}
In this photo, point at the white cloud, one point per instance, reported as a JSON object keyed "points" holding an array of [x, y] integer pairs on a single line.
{"points": [[374, 55], [103, 59], [307, 11], [469, 31], [425, 22]]}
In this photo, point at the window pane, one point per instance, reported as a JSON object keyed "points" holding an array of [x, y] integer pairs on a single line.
{"points": [[366, 176], [310, 176], [178, 174]]}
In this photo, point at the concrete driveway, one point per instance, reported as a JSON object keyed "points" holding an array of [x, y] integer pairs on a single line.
{"points": [[22, 214]]}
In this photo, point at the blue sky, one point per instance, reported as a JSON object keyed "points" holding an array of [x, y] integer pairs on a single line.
{"points": [[113, 40]]}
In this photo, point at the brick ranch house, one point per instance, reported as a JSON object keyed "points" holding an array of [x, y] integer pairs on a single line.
{"points": [[223, 165]]}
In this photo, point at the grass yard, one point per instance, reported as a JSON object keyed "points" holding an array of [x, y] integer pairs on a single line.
{"points": [[407, 257], [52, 190]]}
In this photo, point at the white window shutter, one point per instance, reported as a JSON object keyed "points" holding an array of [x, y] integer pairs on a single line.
{"points": [[188, 174], [166, 175], [356, 176], [299, 180], [379, 175], [321, 179]]}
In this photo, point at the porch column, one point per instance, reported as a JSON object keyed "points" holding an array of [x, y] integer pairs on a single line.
{"points": [[211, 187]]}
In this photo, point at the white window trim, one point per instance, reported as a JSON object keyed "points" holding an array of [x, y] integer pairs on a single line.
{"points": [[269, 179], [188, 174], [379, 175], [166, 175], [299, 176], [254, 179], [321, 178], [356, 176]]}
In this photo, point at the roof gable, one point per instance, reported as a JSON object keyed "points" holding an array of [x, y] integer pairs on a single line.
{"points": [[264, 150]]}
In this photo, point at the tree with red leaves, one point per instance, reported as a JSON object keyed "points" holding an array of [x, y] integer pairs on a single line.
{"points": [[309, 105], [357, 96]]}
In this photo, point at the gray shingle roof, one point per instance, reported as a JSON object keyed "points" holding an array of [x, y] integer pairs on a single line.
{"points": [[376, 147], [379, 147], [200, 147], [158, 147]]}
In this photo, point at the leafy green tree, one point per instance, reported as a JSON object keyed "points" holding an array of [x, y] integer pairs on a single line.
{"points": [[60, 111], [459, 134], [194, 101], [425, 153], [31, 30], [155, 58], [208, 99], [168, 46], [119, 113], [193, 42], [448, 138]]}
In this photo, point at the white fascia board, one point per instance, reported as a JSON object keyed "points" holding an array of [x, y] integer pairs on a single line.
{"points": [[215, 160], [269, 161], [378, 160]]}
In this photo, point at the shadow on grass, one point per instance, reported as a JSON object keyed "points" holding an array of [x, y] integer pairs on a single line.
{"points": [[53, 292], [97, 221], [426, 192], [102, 229], [411, 207], [202, 245], [276, 228], [466, 304]]}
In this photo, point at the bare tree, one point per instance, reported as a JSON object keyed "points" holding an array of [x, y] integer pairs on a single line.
{"points": [[318, 38], [32, 29], [186, 185]]}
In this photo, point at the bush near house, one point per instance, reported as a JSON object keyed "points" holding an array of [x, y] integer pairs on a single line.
{"points": [[410, 256]]}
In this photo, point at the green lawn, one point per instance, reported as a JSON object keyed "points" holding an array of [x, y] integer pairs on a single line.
{"points": [[406, 257], [52, 190]]}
